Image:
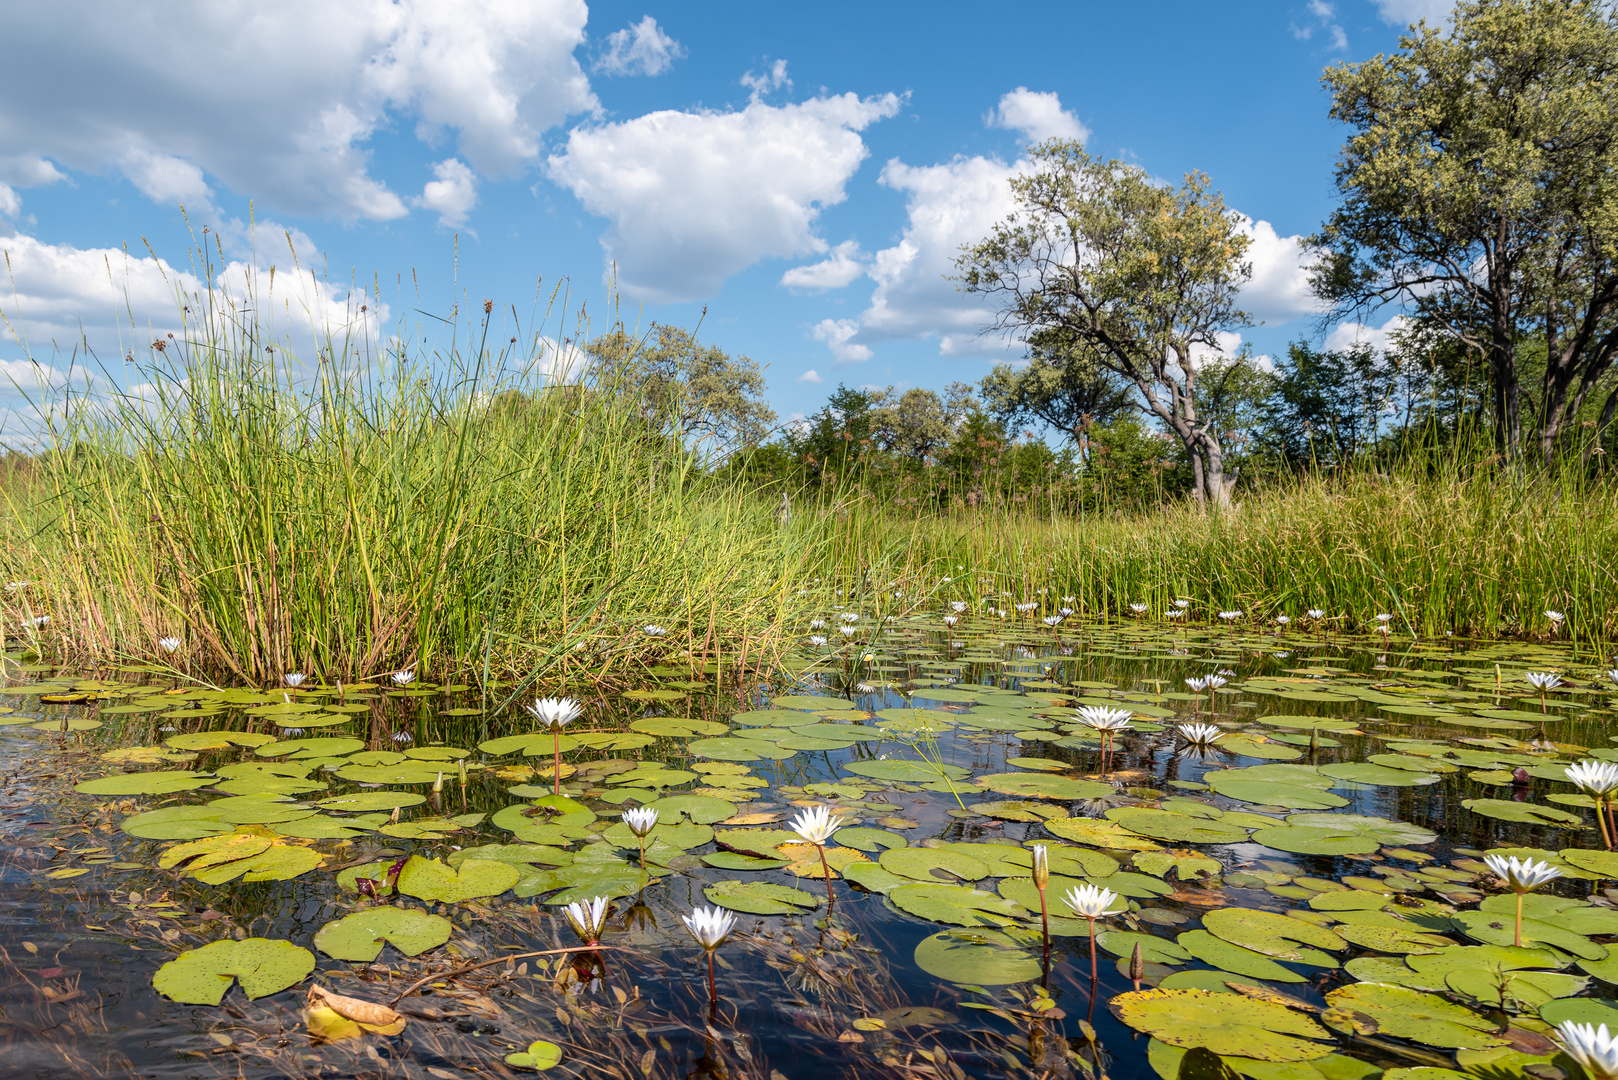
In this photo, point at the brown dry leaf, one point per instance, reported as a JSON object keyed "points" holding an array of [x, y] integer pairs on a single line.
{"points": [[327, 1024], [367, 1014], [753, 819]]}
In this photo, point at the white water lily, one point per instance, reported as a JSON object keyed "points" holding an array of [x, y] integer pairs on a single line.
{"points": [[1230, 616], [588, 918], [1025, 608], [1316, 613], [1197, 684], [817, 640], [555, 713], [1215, 681], [958, 606], [951, 620], [1598, 779], [817, 624], [710, 926], [1175, 613], [403, 737], [1051, 620], [848, 631], [640, 820], [1283, 619], [1138, 609], [1089, 901], [1542, 680], [168, 644], [1200, 734], [1383, 617], [1521, 875], [1182, 604], [816, 824], [850, 616], [404, 677], [653, 630], [1592, 1047], [293, 678], [1555, 616], [1103, 718]]}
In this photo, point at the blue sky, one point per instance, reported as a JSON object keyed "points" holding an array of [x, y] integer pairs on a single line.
{"points": [[805, 173]]}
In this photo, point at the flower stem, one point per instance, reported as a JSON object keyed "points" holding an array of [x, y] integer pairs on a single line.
{"points": [[643, 854], [831, 897], [556, 741], [1518, 934], [1044, 919], [1095, 971], [713, 991]]}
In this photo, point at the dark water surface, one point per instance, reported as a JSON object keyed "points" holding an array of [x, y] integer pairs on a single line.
{"points": [[930, 986]]}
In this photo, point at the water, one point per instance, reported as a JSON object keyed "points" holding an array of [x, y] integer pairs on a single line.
{"points": [[879, 985]]}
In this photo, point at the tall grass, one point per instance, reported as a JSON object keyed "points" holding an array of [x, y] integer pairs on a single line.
{"points": [[472, 516], [363, 515]]}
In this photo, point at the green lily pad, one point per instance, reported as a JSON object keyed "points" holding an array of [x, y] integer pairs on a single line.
{"points": [[359, 937], [701, 809], [176, 823], [1269, 793], [954, 904], [1105, 834], [1602, 863], [870, 840], [811, 702], [359, 802], [280, 862], [906, 772], [920, 864], [1153, 949], [1581, 1011], [1309, 841], [731, 860], [263, 966], [217, 740], [872, 878], [1234, 958], [430, 880], [760, 897], [1405, 1013], [158, 782], [677, 727], [977, 957], [1493, 928], [1043, 786], [1175, 827], [1382, 830], [1364, 772], [540, 1055], [259, 809], [406, 772], [1223, 1023], [1521, 991], [1274, 934], [1393, 939], [727, 748], [1506, 810], [324, 746]]}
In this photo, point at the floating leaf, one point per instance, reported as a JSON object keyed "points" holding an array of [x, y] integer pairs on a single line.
{"points": [[363, 801], [1043, 786], [1274, 934], [977, 957], [1223, 1023], [161, 782], [1364, 772], [540, 1055], [430, 880], [955, 904], [760, 897], [907, 772], [1234, 958], [176, 823], [869, 840], [1521, 991], [1405, 1013], [1382, 830], [1178, 828], [1106, 834], [359, 937], [1506, 810], [263, 966], [1308, 841], [1499, 929], [920, 863]]}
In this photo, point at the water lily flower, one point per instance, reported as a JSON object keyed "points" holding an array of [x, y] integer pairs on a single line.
{"points": [[1064, 611], [817, 624], [1090, 902], [1051, 620], [653, 630], [1182, 604], [403, 737], [291, 732], [1592, 1047], [817, 640], [958, 606], [13, 586], [1384, 617], [402, 678], [588, 918], [640, 821], [1521, 876], [1316, 613], [1542, 681], [710, 926], [848, 631], [1599, 780], [1230, 616], [850, 616], [1042, 878], [1175, 613], [816, 825], [951, 620], [293, 678], [1200, 734], [37, 621], [1138, 609], [1107, 721], [168, 644], [1556, 618], [1283, 619], [1197, 684], [555, 714]]}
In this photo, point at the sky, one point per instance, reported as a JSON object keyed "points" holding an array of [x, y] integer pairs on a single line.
{"points": [[797, 179]]}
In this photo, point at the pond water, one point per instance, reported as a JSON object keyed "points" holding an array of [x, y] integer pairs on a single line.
{"points": [[1307, 893]]}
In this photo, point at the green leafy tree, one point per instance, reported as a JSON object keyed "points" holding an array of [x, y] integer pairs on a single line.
{"points": [[697, 393], [1478, 193], [1138, 277], [1061, 387]]}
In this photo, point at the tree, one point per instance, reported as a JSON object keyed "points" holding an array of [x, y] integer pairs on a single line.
{"points": [[1141, 278], [694, 392], [1061, 386], [917, 423], [833, 442], [1478, 193]]}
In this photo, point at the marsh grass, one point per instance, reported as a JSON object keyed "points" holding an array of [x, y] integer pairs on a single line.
{"points": [[477, 513]]}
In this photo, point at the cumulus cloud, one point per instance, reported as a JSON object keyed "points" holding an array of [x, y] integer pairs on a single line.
{"points": [[10, 202], [694, 197], [640, 49], [1323, 17], [811, 376], [1405, 12], [278, 101], [1039, 116], [1279, 288], [58, 299], [843, 267], [453, 194], [774, 78], [838, 335], [1345, 336]]}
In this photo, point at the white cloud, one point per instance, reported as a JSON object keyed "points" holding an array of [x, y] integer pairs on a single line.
{"points": [[1279, 288], [811, 376], [170, 181], [843, 267], [837, 334], [640, 49], [278, 101], [695, 197], [1404, 12], [453, 194], [10, 202], [57, 298], [1039, 116], [774, 78], [1345, 336]]}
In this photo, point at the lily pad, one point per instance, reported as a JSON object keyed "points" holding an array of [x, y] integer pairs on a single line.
{"points": [[1223, 1023], [359, 937], [760, 897], [1234, 958], [1406, 1013], [176, 823], [1175, 827], [977, 957], [1274, 934], [907, 772], [1302, 840], [955, 904], [158, 782], [263, 966], [1365, 772], [932, 864], [1382, 830], [540, 1055], [1506, 810], [430, 880]]}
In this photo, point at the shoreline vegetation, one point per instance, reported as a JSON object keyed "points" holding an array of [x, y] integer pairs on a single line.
{"points": [[478, 519]]}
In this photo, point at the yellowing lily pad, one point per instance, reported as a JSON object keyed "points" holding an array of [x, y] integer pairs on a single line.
{"points": [[1405, 1013], [1223, 1023]]}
